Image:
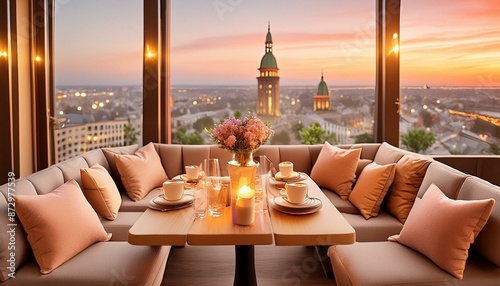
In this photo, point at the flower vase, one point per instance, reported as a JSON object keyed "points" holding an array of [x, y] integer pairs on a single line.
{"points": [[242, 171]]}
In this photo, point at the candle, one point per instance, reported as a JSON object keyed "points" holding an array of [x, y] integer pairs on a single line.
{"points": [[245, 206], [245, 211], [246, 192]]}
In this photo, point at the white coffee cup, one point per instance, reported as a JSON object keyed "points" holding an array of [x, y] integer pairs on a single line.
{"points": [[192, 172], [286, 168], [296, 193], [173, 190]]}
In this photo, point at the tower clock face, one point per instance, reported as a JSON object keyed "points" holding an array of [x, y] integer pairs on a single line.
{"points": [[270, 86]]}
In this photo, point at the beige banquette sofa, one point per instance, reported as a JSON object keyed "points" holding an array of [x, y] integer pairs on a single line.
{"points": [[372, 260]]}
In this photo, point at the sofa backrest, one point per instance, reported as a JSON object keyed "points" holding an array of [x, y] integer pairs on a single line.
{"points": [[487, 242], [447, 179], [388, 154]]}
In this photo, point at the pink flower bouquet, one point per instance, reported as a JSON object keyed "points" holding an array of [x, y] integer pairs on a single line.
{"points": [[236, 134]]}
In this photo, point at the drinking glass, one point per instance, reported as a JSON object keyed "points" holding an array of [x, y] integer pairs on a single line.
{"points": [[261, 183], [216, 197], [200, 201]]}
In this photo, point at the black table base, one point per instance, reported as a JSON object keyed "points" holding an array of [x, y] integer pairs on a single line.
{"points": [[244, 273]]}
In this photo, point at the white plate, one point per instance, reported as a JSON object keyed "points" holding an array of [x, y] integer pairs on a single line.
{"points": [[160, 200]]}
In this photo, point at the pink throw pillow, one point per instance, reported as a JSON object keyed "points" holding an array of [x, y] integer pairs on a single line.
{"points": [[59, 225], [335, 169], [443, 229], [141, 172]]}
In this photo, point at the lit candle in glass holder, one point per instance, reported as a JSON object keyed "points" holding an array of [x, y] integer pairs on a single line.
{"points": [[245, 206]]}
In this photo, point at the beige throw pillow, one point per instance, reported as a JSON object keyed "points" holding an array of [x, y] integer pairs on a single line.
{"points": [[443, 229], [410, 172], [141, 172], [59, 225], [101, 191], [371, 188], [335, 169]]}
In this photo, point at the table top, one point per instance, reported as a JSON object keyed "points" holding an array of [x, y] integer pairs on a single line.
{"points": [[327, 226], [178, 227]]}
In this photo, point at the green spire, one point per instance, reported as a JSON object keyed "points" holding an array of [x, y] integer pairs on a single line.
{"points": [[322, 87]]}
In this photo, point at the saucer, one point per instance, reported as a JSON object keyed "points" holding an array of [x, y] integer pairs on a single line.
{"points": [[309, 206], [295, 177], [160, 200], [307, 203], [187, 180]]}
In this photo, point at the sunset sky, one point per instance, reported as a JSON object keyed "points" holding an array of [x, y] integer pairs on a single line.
{"points": [[444, 42]]}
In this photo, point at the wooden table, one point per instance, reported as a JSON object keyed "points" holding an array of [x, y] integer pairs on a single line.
{"points": [[325, 227], [180, 227]]}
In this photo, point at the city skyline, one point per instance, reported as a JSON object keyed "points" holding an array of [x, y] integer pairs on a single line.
{"points": [[221, 42]]}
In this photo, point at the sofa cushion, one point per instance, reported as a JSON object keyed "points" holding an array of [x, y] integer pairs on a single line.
{"points": [[103, 263], [299, 155], [387, 154], [371, 188], [443, 229], [59, 225], [101, 191], [128, 205], [96, 157], [120, 226], [343, 206], [335, 169], [377, 228], [109, 153], [387, 263], [141, 172], [71, 169], [410, 172], [46, 180], [488, 241], [447, 179]]}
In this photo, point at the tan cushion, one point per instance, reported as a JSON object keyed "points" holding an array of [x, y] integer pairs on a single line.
{"points": [[101, 191], [371, 188], [377, 228], [111, 263], [443, 229], [335, 169], [410, 172], [59, 225], [388, 263], [141, 172]]}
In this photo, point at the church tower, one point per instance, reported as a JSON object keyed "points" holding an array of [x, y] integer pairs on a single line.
{"points": [[268, 81], [322, 97]]}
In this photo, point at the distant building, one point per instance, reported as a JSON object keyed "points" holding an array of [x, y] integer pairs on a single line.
{"points": [[322, 97], [73, 140], [268, 101]]}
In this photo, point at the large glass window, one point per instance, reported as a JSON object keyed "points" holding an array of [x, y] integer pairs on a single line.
{"points": [[450, 85], [98, 75], [219, 66]]}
